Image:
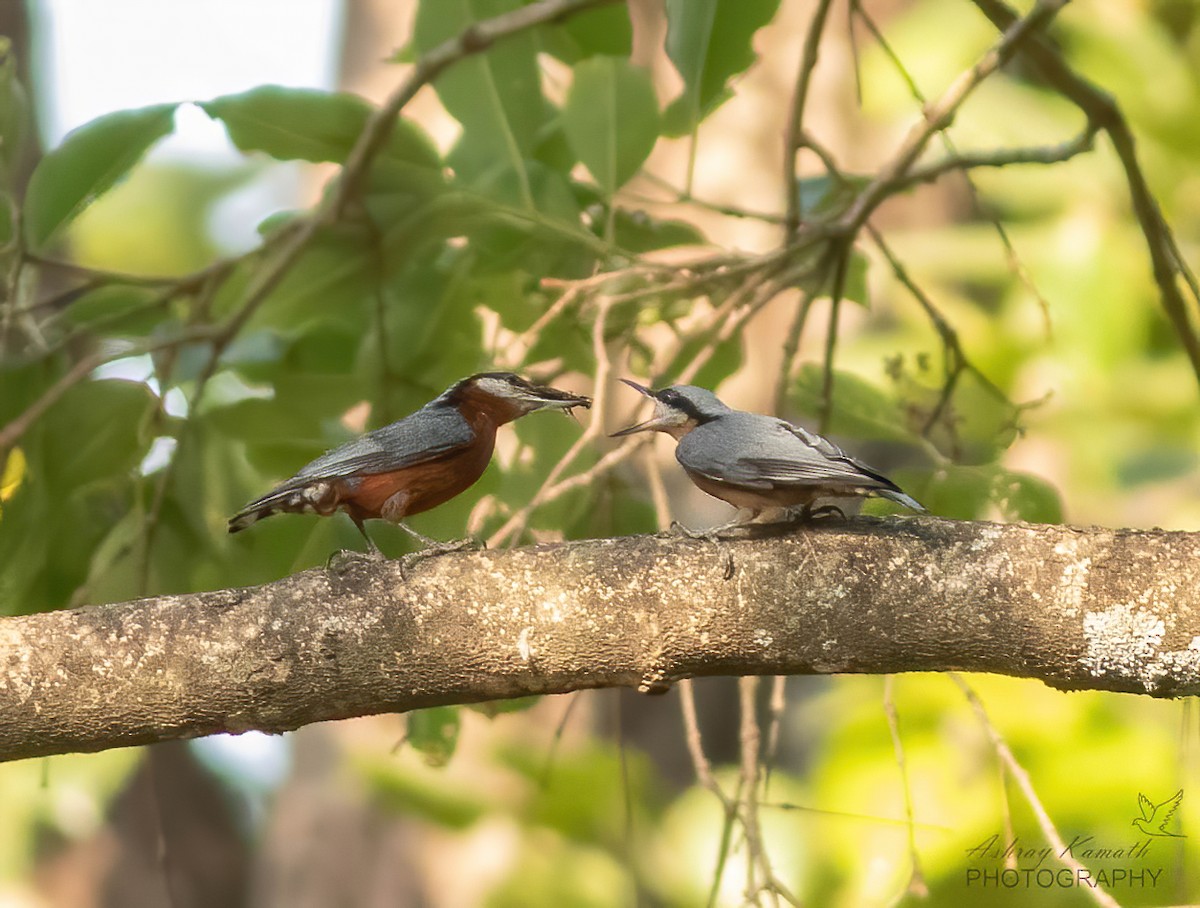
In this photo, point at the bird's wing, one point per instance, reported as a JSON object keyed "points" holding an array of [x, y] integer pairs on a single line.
{"points": [[431, 433], [1146, 807], [761, 452], [1164, 811]]}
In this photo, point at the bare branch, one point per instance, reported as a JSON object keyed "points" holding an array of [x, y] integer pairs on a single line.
{"points": [[1102, 111], [939, 114], [1004, 157], [15, 428], [794, 137], [916, 878]]}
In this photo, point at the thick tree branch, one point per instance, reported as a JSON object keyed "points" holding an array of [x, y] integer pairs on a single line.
{"points": [[1103, 609]]}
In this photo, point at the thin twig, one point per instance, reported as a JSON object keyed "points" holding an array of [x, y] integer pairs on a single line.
{"points": [[704, 775], [517, 523], [760, 876], [1102, 110], [82, 368], [695, 746], [1010, 250], [748, 737], [841, 265], [1021, 777], [793, 138], [559, 730], [776, 707], [916, 881], [957, 360], [680, 197], [1005, 157], [939, 114]]}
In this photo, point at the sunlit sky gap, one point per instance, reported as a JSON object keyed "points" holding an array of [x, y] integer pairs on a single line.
{"points": [[99, 57]]}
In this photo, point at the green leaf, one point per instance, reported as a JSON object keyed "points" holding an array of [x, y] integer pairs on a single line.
{"points": [[1027, 497], [854, 287], [8, 222], [24, 379], [513, 296], [959, 492], [726, 359], [311, 125], [1160, 462], [709, 41], [95, 432], [568, 339], [860, 410], [260, 421], [493, 708], [434, 733], [118, 309], [497, 96], [432, 333], [431, 796], [577, 795], [605, 30], [637, 231], [335, 278], [81, 458], [550, 239], [825, 197], [90, 160], [611, 118]]}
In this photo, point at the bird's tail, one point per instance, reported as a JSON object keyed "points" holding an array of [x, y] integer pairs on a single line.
{"points": [[900, 498], [284, 499]]}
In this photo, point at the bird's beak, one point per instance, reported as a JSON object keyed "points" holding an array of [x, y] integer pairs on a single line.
{"points": [[647, 425], [641, 389], [637, 427], [547, 398]]}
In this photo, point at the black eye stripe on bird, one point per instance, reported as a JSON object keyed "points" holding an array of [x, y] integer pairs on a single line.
{"points": [[757, 462], [415, 464]]}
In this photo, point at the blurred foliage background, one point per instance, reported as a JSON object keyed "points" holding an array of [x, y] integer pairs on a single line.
{"points": [[607, 194]]}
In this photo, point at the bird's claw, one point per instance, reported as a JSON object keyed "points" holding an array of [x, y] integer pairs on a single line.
{"points": [[466, 544], [808, 512], [436, 549], [713, 534], [345, 559], [678, 529]]}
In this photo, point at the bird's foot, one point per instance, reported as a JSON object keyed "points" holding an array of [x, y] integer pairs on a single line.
{"points": [[347, 559], [808, 512], [466, 544], [678, 529], [435, 548], [713, 534]]}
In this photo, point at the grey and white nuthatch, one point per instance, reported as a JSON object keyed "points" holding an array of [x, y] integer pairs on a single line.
{"points": [[757, 462]]}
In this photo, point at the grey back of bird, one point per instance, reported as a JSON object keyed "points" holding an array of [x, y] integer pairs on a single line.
{"points": [[763, 453], [434, 430]]}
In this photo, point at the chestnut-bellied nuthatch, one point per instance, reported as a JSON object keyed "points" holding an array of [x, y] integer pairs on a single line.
{"points": [[757, 462], [415, 464]]}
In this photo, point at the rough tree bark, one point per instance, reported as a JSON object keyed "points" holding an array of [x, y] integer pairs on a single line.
{"points": [[1115, 610]]}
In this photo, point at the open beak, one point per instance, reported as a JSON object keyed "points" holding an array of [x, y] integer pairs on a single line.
{"points": [[646, 425]]}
